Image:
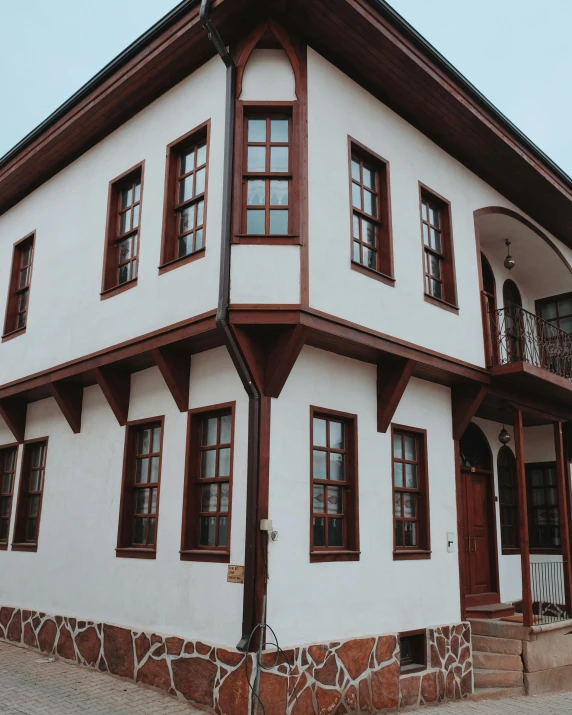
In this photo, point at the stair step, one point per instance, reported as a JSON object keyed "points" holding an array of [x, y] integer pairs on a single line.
{"points": [[499, 629], [496, 693], [498, 679], [491, 610], [490, 644], [497, 661]]}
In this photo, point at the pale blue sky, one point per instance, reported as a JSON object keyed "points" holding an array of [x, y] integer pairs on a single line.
{"points": [[516, 52]]}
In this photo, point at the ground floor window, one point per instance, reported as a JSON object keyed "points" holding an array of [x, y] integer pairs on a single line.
{"points": [[544, 517]]}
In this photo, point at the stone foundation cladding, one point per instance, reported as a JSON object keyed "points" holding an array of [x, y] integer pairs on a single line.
{"points": [[360, 675]]}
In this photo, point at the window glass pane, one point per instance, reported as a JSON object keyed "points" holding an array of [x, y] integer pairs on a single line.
{"points": [[34, 505], [411, 476], [156, 439], [126, 197], [125, 221], [257, 130], [23, 301], [319, 465], [435, 216], [410, 533], [398, 534], [435, 266], [369, 258], [551, 475], [25, 256], [279, 222], [5, 506], [319, 529], [137, 191], [186, 189], [256, 158], [6, 483], [3, 530], [208, 464], [200, 181], [355, 170], [424, 214], [144, 442], [256, 192], [34, 481], [154, 469], [369, 178], [279, 130], [209, 431], [335, 532], [225, 425], [279, 158], [209, 497], [124, 273], [124, 250], [153, 509], [200, 213], [356, 256], [223, 531], [188, 161], [278, 193], [224, 492], [185, 245], [255, 221], [151, 539], [208, 531], [355, 221], [142, 501], [537, 497], [398, 474], [566, 325], [425, 234], [548, 311], [565, 306], [335, 505], [370, 203], [436, 240], [31, 530], [318, 505], [199, 239], [356, 196], [23, 278], [397, 446], [337, 439], [397, 503], [436, 289], [141, 471], [136, 215], [224, 463], [410, 448], [551, 497], [319, 432], [410, 505], [368, 232], [337, 467], [201, 154]]}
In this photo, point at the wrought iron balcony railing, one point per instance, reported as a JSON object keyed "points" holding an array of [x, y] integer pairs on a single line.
{"points": [[519, 336]]}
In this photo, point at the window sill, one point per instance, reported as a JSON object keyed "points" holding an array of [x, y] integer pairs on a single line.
{"points": [[282, 239], [372, 273], [13, 334], [220, 557], [511, 551], [110, 292], [413, 668], [24, 547], [411, 555], [134, 553], [182, 261], [4, 547], [451, 307], [546, 551], [322, 556]]}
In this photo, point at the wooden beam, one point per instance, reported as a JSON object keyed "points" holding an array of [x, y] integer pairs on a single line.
{"points": [[175, 366], [562, 473], [282, 358], [116, 386], [523, 518], [13, 411], [393, 376], [465, 400], [69, 396]]}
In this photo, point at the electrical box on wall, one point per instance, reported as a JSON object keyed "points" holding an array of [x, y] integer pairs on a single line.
{"points": [[450, 542]]}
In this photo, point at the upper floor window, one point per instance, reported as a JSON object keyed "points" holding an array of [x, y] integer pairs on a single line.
{"points": [[121, 257], [508, 499], [139, 512], [558, 311], [7, 476], [544, 516], [30, 496], [371, 223], [206, 521], [185, 201], [19, 289], [438, 259], [410, 493], [334, 510]]}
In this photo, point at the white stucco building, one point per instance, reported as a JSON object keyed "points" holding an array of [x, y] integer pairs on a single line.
{"points": [[260, 342]]}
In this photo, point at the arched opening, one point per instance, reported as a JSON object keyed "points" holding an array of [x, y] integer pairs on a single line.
{"points": [[512, 323], [508, 500], [511, 295], [475, 450]]}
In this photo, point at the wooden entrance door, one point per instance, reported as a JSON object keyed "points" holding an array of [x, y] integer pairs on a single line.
{"points": [[480, 576]]}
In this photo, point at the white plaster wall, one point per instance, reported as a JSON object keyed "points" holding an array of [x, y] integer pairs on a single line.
{"points": [[265, 274], [306, 600], [268, 76], [75, 571], [66, 317]]}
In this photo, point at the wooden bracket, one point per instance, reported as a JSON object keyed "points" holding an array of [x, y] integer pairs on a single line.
{"points": [[393, 375], [175, 366], [13, 412], [116, 386], [282, 358], [69, 396], [465, 401]]}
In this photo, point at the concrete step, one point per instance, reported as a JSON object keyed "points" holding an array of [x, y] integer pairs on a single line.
{"points": [[496, 693], [499, 629], [497, 661], [490, 644], [498, 679]]}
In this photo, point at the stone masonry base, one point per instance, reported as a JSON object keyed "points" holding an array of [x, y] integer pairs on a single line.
{"points": [[359, 675]]}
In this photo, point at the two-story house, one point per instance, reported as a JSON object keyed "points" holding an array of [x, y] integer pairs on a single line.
{"points": [[270, 372]]}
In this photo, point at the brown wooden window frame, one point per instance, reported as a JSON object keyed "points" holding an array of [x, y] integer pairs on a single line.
{"points": [[269, 110], [191, 549], [556, 299], [15, 291], [126, 546], [445, 256], [508, 507], [422, 550], [7, 490], [172, 207], [379, 167], [416, 661], [110, 284], [350, 549], [532, 508], [20, 541]]}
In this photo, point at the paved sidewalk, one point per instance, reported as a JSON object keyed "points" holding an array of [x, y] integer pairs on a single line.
{"points": [[557, 704], [31, 685]]}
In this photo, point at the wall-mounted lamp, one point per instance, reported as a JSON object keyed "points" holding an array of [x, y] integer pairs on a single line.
{"points": [[509, 261]]}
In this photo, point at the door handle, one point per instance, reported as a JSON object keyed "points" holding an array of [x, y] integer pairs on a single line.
{"points": [[468, 539]]}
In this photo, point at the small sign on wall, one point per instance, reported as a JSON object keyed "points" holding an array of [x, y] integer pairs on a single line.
{"points": [[235, 574]]}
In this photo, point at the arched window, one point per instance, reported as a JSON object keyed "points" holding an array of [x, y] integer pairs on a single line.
{"points": [[508, 499], [475, 450], [513, 323]]}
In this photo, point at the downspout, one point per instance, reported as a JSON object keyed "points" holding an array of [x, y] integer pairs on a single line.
{"points": [[251, 529]]}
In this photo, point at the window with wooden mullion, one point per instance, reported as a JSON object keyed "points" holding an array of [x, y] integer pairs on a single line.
{"points": [[146, 486], [214, 481], [329, 483], [126, 242], [190, 198], [267, 178], [407, 492], [31, 493], [23, 290], [7, 476], [366, 214], [432, 226], [544, 519]]}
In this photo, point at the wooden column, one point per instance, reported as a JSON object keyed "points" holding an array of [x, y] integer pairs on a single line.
{"points": [[562, 475], [523, 518]]}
